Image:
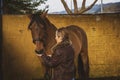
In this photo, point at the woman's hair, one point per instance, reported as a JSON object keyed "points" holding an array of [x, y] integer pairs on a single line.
{"points": [[62, 32]]}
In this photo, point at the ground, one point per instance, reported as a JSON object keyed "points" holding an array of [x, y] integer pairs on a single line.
{"points": [[103, 78]]}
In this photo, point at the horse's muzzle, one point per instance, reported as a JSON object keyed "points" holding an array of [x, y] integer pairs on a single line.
{"points": [[40, 51]]}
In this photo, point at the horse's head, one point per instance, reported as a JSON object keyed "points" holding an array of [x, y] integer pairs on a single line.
{"points": [[37, 26]]}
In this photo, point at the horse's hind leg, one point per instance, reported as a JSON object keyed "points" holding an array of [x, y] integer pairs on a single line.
{"points": [[83, 66]]}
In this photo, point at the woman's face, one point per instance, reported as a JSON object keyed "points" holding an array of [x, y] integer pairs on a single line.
{"points": [[58, 37]]}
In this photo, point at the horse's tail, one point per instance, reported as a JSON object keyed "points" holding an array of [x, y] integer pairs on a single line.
{"points": [[80, 66], [83, 67]]}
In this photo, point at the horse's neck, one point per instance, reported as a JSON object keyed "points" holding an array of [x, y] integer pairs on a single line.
{"points": [[50, 42]]}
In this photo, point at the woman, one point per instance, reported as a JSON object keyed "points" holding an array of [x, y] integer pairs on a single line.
{"points": [[62, 59]]}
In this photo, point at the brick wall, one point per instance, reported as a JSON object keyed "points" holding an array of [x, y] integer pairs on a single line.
{"points": [[103, 32]]}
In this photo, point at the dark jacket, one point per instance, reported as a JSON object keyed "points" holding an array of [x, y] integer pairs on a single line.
{"points": [[62, 61]]}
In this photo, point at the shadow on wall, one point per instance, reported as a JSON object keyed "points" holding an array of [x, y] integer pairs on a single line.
{"points": [[19, 66]]}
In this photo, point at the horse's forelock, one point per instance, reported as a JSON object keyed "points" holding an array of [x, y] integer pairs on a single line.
{"points": [[38, 19]]}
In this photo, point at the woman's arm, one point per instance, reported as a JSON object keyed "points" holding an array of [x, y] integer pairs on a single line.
{"points": [[55, 60]]}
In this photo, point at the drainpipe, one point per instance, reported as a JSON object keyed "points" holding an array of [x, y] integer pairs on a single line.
{"points": [[1, 73]]}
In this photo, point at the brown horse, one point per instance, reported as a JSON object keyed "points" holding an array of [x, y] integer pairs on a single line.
{"points": [[43, 35]]}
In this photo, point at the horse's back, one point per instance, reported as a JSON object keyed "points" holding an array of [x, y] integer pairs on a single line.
{"points": [[78, 37]]}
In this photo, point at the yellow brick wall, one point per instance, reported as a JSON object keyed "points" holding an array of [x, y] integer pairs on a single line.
{"points": [[103, 32]]}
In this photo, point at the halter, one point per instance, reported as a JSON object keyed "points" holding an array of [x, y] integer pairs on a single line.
{"points": [[39, 39]]}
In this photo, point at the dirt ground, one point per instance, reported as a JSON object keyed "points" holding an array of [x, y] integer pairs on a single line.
{"points": [[103, 78]]}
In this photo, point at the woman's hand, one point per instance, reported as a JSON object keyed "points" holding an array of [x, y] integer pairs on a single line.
{"points": [[39, 55]]}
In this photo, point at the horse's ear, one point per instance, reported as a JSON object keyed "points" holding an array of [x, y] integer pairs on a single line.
{"points": [[45, 13]]}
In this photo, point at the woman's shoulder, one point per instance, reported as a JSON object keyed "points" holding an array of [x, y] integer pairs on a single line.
{"points": [[64, 45]]}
